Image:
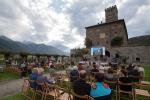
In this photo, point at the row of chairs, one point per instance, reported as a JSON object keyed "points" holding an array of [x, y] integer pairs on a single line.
{"points": [[14, 70], [47, 90], [136, 89], [137, 86]]}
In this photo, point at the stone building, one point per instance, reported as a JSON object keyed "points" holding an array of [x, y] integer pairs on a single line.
{"points": [[103, 34]]}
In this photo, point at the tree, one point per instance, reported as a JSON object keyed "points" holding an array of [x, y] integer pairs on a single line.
{"points": [[88, 42], [117, 41], [79, 52]]}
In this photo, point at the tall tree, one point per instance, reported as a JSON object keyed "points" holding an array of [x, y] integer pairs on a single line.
{"points": [[88, 42]]}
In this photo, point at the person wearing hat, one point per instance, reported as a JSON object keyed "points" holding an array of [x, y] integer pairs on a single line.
{"points": [[33, 76], [41, 77]]}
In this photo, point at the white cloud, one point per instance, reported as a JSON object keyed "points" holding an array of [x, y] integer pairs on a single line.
{"points": [[48, 21]]}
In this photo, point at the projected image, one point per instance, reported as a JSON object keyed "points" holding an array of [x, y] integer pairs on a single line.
{"points": [[98, 51]]}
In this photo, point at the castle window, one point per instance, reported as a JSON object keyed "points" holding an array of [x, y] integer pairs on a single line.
{"points": [[97, 43], [115, 33], [90, 31], [98, 30], [137, 59], [106, 41], [102, 35]]}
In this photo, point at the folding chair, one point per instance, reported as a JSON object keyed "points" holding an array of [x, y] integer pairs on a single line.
{"points": [[121, 89], [114, 87], [40, 90], [62, 94], [50, 90], [26, 89], [74, 95], [136, 79], [142, 90]]}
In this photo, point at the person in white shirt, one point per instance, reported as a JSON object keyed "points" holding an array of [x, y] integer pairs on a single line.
{"points": [[140, 70]]}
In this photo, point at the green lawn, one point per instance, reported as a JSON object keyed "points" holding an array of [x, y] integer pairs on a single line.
{"points": [[15, 97], [20, 97], [6, 76], [147, 70]]}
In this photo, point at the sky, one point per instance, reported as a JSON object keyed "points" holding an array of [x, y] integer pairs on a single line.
{"points": [[63, 22]]}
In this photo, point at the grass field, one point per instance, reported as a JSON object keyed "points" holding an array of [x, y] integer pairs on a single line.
{"points": [[7, 76], [147, 70], [20, 97]]}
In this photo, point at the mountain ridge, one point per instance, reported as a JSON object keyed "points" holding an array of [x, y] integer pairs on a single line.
{"points": [[8, 45], [139, 40]]}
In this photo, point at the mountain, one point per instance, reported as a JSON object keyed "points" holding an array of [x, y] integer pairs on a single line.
{"points": [[62, 47], [8, 45], [43, 49], [140, 40]]}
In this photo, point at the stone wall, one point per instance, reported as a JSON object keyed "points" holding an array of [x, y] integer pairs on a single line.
{"points": [[133, 52], [111, 14], [94, 35], [102, 35]]}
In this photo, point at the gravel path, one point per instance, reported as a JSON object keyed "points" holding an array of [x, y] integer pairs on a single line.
{"points": [[10, 87], [13, 87]]}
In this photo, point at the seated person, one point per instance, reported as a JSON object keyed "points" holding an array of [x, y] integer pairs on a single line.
{"points": [[134, 75], [42, 78], [125, 79], [33, 76], [74, 74], [94, 68], [101, 92], [80, 66], [122, 71], [141, 70], [110, 75], [130, 67], [53, 77], [80, 86]]}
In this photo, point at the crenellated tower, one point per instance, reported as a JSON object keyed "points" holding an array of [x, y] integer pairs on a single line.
{"points": [[111, 14]]}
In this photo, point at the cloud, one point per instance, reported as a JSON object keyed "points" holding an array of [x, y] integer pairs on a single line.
{"points": [[135, 13], [63, 21]]}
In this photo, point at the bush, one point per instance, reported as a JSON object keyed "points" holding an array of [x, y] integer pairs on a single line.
{"points": [[117, 41]]}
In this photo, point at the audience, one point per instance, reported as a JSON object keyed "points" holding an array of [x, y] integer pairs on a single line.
{"points": [[94, 70], [101, 92], [74, 74], [122, 71], [130, 67], [33, 77], [140, 70], [42, 78], [80, 67], [110, 76], [52, 77], [80, 86], [125, 79], [134, 75], [77, 74]]}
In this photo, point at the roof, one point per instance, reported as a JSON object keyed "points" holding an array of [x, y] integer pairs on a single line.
{"points": [[102, 24]]}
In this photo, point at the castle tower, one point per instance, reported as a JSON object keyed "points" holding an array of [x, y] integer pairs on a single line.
{"points": [[111, 14]]}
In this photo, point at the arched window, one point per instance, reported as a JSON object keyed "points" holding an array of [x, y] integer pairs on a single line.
{"points": [[137, 59]]}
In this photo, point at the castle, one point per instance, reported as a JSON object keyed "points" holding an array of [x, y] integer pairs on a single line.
{"points": [[113, 36]]}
